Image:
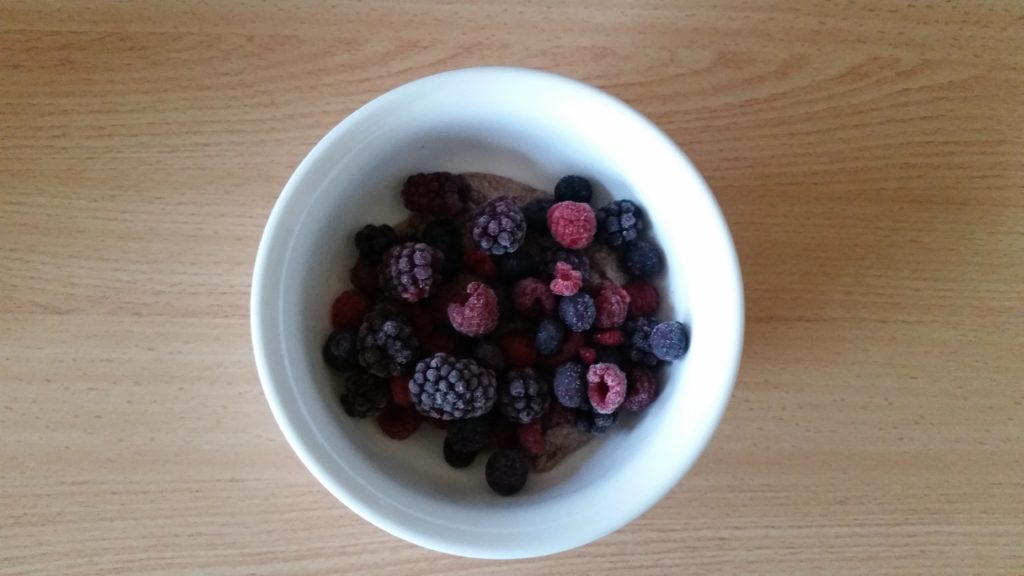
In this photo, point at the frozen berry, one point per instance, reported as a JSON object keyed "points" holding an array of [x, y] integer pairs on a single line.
{"points": [[478, 315], [570, 350], [619, 222], [612, 355], [519, 350], [577, 260], [440, 194], [536, 213], [588, 355], [523, 396], [440, 341], [606, 387], [531, 437], [400, 390], [387, 346], [373, 241], [446, 237], [364, 394], [566, 281], [612, 337], [348, 309], [577, 311], [642, 259], [516, 265], [457, 459], [340, 350], [507, 471], [411, 271], [398, 422], [450, 388], [594, 422], [641, 389], [364, 277], [480, 263], [498, 226], [643, 299], [570, 385], [550, 334], [572, 224], [670, 340], [638, 335], [531, 296], [574, 188], [469, 434], [612, 304], [489, 356]]}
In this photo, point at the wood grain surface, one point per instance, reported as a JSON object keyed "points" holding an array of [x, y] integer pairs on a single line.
{"points": [[869, 157]]}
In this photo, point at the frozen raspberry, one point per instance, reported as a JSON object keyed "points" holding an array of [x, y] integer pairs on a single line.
{"points": [[588, 355], [606, 387], [619, 222], [567, 281], [570, 384], [519, 351], [574, 188], [638, 334], [411, 271], [499, 226], [400, 390], [641, 389], [523, 396], [339, 350], [531, 296], [612, 305], [643, 299], [479, 263], [348, 309], [572, 224], [364, 394], [536, 213], [398, 422], [577, 260], [609, 337], [479, 314], [455, 458], [642, 259], [373, 241], [440, 194], [670, 340], [531, 437], [489, 356], [550, 334], [452, 388], [577, 312], [364, 277], [507, 471]]}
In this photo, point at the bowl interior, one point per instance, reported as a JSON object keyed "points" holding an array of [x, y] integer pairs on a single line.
{"points": [[534, 127]]}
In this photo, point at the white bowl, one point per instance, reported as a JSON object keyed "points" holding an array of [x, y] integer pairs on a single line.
{"points": [[535, 127]]}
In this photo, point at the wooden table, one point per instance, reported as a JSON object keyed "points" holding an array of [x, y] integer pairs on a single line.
{"points": [[870, 160]]}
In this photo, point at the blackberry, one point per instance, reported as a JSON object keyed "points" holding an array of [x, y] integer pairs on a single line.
{"points": [[619, 222], [670, 340], [387, 346], [411, 271], [457, 459], [550, 334], [507, 471], [574, 188], [516, 265], [642, 259], [536, 213], [364, 394], [638, 335], [374, 241], [571, 385], [577, 260], [523, 396], [451, 388], [469, 435], [446, 237], [499, 226], [595, 423], [578, 311], [489, 356], [440, 194], [340, 350]]}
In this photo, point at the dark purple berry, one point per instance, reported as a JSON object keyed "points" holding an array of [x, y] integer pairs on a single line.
{"points": [[670, 340], [445, 236], [507, 471], [340, 350], [619, 222], [451, 388], [573, 188], [374, 241], [489, 356], [470, 434], [595, 423], [498, 226], [364, 394], [638, 335], [411, 271], [577, 312], [440, 194], [642, 259], [523, 396], [536, 213], [550, 334], [455, 458], [387, 346], [571, 385]]}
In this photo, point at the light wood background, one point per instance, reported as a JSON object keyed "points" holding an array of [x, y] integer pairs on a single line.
{"points": [[869, 156]]}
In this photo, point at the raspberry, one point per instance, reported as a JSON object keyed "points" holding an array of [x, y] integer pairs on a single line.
{"points": [[570, 384], [400, 390], [572, 224], [469, 434], [638, 332], [348, 309], [594, 422], [440, 194], [411, 271], [364, 277], [522, 396], [446, 237], [619, 222], [577, 260], [531, 296], [373, 241], [457, 459], [612, 304], [567, 281], [387, 346], [536, 213], [574, 188], [588, 355], [550, 334], [531, 437], [499, 226], [516, 265], [364, 394], [507, 471], [479, 263], [519, 351], [642, 259], [643, 299], [577, 311], [451, 388], [670, 340], [398, 422], [478, 315], [339, 350], [609, 338], [606, 387], [641, 389], [489, 356]]}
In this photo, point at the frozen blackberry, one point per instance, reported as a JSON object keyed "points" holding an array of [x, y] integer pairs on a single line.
{"points": [[387, 346], [451, 388], [550, 334], [507, 471], [577, 311], [642, 259], [516, 265], [619, 222], [440, 194], [411, 271], [595, 423], [536, 213], [523, 396], [489, 356], [445, 236], [577, 260], [574, 188], [670, 340], [499, 226], [374, 241], [471, 434], [638, 335], [571, 385], [364, 394], [340, 350], [455, 458]]}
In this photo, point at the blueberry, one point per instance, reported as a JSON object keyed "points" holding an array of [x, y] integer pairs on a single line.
{"points": [[642, 259], [340, 350], [573, 188], [670, 340], [550, 334], [578, 311]]}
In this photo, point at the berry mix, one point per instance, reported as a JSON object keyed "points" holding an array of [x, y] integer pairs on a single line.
{"points": [[518, 322]]}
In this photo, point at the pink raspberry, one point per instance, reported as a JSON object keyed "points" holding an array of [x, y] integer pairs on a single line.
{"points": [[612, 305], [567, 281], [479, 314], [643, 299], [609, 338], [572, 224], [606, 387], [642, 389], [531, 437], [532, 296]]}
